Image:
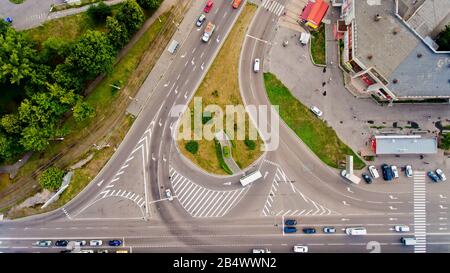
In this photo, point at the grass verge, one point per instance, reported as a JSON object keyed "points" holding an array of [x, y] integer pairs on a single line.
{"points": [[221, 87], [17, 1], [318, 45], [319, 137]]}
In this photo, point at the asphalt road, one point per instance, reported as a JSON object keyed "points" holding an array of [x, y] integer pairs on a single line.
{"points": [[144, 162]]}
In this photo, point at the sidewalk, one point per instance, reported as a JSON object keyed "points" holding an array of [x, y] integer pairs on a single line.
{"points": [[166, 58], [67, 12], [224, 141], [13, 169]]}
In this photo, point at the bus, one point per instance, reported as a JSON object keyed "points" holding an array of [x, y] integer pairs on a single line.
{"points": [[250, 178]]}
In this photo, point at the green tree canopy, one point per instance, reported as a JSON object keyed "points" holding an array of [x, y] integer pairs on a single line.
{"points": [[82, 111], [8, 147], [16, 56], [51, 178], [99, 12], [11, 123], [117, 32], [149, 4], [91, 55], [131, 15]]}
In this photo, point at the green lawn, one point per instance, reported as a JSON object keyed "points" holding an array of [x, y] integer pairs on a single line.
{"points": [[318, 45], [319, 137]]}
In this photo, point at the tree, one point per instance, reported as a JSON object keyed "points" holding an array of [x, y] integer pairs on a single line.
{"points": [[65, 76], [445, 141], [99, 12], [11, 124], [82, 111], [51, 178], [35, 138], [117, 33], [16, 56], [91, 55], [443, 39], [192, 146], [8, 147], [250, 144], [131, 15], [54, 50], [149, 4]]}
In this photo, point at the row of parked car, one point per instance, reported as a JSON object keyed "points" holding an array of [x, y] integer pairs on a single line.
{"points": [[390, 172], [64, 243]]}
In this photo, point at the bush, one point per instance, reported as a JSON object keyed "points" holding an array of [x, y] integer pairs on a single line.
{"points": [[117, 33], [51, 178], [149, 4], [445, 142], [250, 144], [226, 151], [192, 147], [99, 12]]}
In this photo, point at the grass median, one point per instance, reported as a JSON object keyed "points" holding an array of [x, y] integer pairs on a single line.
{"points": [[318, 46], [315, 133], [221, 87]]}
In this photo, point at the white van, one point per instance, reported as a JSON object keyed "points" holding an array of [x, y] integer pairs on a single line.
{"points": [[356, 231], [408, 241], [373, 171], [256, 65]]}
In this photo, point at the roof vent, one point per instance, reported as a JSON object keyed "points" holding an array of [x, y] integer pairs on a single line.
{"points": [[370, 56], [419, 55], [395, 81]]}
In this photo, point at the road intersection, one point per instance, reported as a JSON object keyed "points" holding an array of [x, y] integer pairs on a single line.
{"points": [[214, 213]]}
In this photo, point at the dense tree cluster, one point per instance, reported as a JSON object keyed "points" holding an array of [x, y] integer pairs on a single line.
{"points": [[49, 78]]}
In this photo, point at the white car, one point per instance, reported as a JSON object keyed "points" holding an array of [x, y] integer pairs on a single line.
{"points": [[401, 228], [256, 65], [394, 171], [86, 251], [373, 171], [300, 249], [441, 174], [316, 111], [80, 243], [95, 243], [169, 195], [256, 250], [408, 171], [200, 20]]}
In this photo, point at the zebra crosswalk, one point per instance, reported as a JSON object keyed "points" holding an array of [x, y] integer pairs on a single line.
{"points": [[134, 197], [199, 201], [420, 216], [273, 6], [308, 206]]}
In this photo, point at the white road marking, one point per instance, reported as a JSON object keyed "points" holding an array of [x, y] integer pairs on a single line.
{"points": [[100, 183]]}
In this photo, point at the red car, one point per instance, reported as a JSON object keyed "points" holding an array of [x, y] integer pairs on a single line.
{"points": [[208, 6]]}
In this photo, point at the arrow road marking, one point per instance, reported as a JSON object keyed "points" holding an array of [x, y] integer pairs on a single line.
{"points": [[164, 158], [192, 61], [184, 55], [202, 67], [167, 84], [345, 203], [442, 207], [345, 219], [217, 39], [265, 175], [392, 208], [100, 183], [442, 228], [160, 122], [193, 50], [349, 190], [392, 197], [185, 95], [153, 158], [442, 218]]}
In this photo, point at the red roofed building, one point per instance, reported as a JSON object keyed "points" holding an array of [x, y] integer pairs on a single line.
{"points": [[314, 13]]}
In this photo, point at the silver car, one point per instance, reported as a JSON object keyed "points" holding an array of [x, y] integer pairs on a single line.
{"points": [[43, 243], [441, 174], [408, 171]]}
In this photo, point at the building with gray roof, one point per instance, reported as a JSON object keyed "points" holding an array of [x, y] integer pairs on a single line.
{"points": [[404, 144]]}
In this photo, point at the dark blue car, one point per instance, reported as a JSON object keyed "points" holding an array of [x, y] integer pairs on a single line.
{"points": [[290, 229], [290, 222], [309, 230], [115, 242], [8, 20], [387, 172], [433, 176]]}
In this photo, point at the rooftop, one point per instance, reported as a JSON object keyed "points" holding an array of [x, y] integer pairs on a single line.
{"points": [[405, 145], [429, 18]]}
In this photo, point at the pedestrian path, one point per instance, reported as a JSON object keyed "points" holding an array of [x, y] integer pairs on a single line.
{"points": [[420, 212], [199, 201], [304, 206], [273, 6]]}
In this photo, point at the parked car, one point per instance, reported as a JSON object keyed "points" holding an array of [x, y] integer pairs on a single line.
{"points": [[367, 178], [441, 174], [103, 251], [95, 243], [169, 195], [387, 172], [8, 20], [433, 176], [408, 171], [373, 172], [401, 228], [114, 242], [61, 243], [236, 4], [300, 249], [316, 111], [394, 171], [290, 229], [43, 243], [201, 19], [208, 6], [290, 222], [256, 250], [329, 230], [309, 230], [80, 243]]}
